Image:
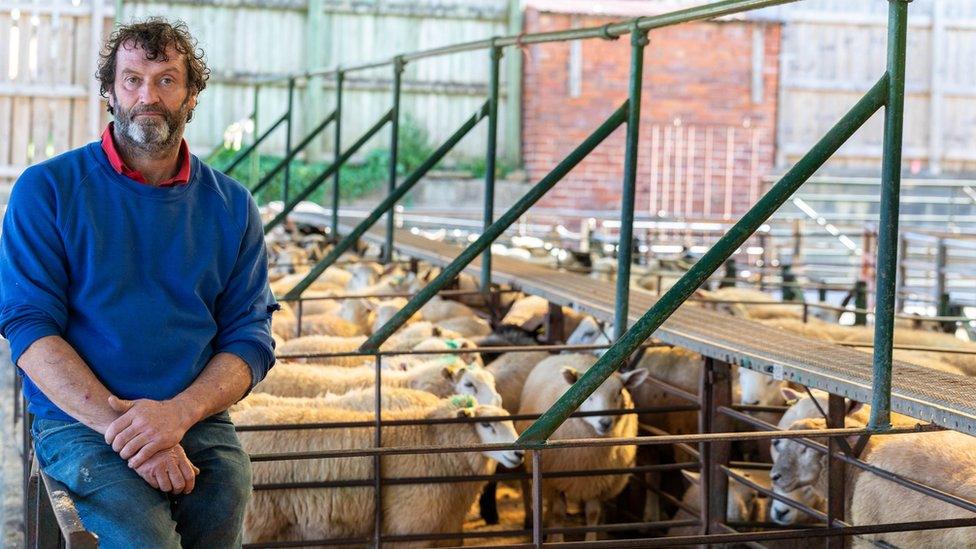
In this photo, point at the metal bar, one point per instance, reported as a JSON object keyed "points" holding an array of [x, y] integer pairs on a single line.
{"points": [[328, 172], [337, 147], [291, 97], [837, 412], [638, 40], [690, 281], [490, 157], [293, 152], [386, 204], [497, 228], [884, 322], [394, 149], [250, 148], [377, 464], [536, 497]]}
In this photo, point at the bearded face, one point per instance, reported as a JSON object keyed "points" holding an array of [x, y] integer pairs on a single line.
{"points": [[152, 128]]}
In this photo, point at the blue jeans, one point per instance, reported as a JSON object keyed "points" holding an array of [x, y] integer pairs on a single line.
{"points": [[115, 503]]}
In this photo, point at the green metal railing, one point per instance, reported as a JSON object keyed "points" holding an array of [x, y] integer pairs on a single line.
{"points": [[888, 92]]}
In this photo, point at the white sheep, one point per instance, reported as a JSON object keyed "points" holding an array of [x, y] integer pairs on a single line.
{"points": [[391, 398], [529, 313], [322, 324], [323, 344], [466, 326], [441, 377], [548, 381], [786, 514], [743, 503], [510, 371], [438, 308], [348, 512], [945, 461], [451, 344], [749, 310]]}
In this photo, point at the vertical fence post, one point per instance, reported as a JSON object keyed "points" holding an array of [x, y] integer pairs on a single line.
{"points": [[337, 139], [291, 100], [888, 230], [836, 412], [861, 303], [638, 40], [394, 147], [489, 215], [901, 275], [941, 255], [255, 164], [715, 390]]}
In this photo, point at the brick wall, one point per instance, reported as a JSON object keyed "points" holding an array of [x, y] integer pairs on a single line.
{"points": [[704, 142]]}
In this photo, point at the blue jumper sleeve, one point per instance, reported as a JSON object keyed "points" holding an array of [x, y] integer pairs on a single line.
{"points": [[243, 309], [33, 266]]}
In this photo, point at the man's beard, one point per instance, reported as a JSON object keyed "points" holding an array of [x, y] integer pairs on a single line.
{"points": [[152, 134]]}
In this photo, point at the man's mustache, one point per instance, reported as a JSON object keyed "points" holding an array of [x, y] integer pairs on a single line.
{"points": [[134, 112]]}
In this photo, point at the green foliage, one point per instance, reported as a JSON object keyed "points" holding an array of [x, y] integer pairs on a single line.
{"points": [[356, 180], [478, 167]]}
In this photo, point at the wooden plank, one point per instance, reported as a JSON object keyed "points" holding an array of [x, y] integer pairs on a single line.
{"points": [[23, 47], [79, 48], [937, 78], [79, 123], [5, 123], [41, 44], [20, 130], [5, 25], [40, 130], [61, 125]]}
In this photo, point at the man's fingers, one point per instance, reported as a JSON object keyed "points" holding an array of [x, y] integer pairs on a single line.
{"points": [[162, 479], [119, 405], [176, 479], [137, 443], [116, 427], [146, 452], [191, 477], [124, 437]]}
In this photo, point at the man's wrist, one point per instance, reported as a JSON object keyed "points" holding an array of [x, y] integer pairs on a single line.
{"points": [[190, 411]]}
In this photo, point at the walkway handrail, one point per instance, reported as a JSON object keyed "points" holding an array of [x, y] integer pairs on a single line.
{"points": [[497, 228], [253, 146], [387, 204], [294, 152], [541, 429], [328, 172]]}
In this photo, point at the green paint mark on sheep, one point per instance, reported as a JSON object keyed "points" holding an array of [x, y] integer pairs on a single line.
{"points": [[463, 401]]}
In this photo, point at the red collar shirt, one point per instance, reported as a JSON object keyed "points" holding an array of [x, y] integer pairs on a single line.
{"points": [[182, 177]]}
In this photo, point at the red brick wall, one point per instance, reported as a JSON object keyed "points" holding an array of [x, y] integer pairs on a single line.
{"points": [[697, 94]]}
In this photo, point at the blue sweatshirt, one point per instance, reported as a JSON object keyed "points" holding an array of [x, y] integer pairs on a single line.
{"points": [[146, 283]]}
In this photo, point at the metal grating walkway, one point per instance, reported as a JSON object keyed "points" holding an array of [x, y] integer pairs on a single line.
{"points": [[925, 394]]}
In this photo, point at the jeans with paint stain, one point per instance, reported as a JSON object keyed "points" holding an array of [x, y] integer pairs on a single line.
{"points": [[115, 503]]}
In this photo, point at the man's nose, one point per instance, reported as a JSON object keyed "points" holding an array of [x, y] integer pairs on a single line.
{"points": [[148, 94]]}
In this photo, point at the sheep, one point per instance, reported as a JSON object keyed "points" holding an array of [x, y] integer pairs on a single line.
{"points": [[752, 311], [358, 311], [742, 505], [786, 514], [451, 344], [348, 512], [391, 398], [510, 371], [324, 324], [438, 309], [467, 326], [548, 381], [363, 275], [441, 377], [590, 331], [803, 407], [322, 344], [329, 281], [943, 460], [384, 310], [529, 313]]}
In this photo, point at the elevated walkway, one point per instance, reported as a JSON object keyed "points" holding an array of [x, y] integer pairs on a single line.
{"points": [[929, 395]]}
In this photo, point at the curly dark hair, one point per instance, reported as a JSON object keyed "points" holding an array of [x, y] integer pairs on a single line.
{"points": [[155, 35]]}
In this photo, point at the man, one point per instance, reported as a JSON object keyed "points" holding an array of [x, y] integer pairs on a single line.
{"points": [[134, 293]]}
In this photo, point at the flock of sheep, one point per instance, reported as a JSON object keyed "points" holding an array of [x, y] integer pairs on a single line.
{"points": [[478, 391]]}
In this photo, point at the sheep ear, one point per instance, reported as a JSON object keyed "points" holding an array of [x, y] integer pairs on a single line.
{"points": [[789, 394], [634, 378], [693, 477], [449, 372], [570, 375], [436, 331]]}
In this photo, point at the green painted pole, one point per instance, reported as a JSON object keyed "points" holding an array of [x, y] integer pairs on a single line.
{"points": [[328, 172], [638, 40], [496, 229], [253, 146], [884, 307], [387, 204], [291, 100], [337, 139], [394, 149], [542, 428], [294, 152], [490, 157]]}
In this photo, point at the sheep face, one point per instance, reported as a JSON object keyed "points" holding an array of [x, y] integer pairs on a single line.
{"points": [[784, 514], [796, 465], [363, 275], [589, 332], [356, 310], [495, 432], [608, 396], [757, 388], [476, 382]]}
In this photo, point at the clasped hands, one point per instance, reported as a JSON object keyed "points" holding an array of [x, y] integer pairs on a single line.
{"points": [[147, 435]]}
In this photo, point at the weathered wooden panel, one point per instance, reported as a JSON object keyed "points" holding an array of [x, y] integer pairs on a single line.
{"points": [[834, 50]]}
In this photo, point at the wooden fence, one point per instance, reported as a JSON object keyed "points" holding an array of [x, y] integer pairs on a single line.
{"points": [[49, 99]]}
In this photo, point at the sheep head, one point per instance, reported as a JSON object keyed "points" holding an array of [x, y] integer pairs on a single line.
{"points": [[608, 396]]}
